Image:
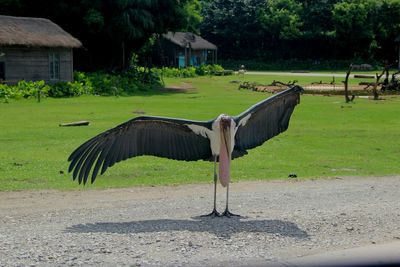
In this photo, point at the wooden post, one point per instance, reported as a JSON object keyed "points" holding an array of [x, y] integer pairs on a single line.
{"points": [[375, 87], [346, 85]]}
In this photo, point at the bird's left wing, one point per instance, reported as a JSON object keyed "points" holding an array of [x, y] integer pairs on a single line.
{"points": [[265, 119], [156, 136]]}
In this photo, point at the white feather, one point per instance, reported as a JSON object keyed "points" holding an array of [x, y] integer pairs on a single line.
{"points": [[215, 133]]}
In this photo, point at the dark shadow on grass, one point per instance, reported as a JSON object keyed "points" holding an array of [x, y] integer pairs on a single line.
{"points": [[157, 90], [221, 227]]}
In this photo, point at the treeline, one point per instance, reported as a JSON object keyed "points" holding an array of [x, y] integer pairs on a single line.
{"points": [[269, 30], [263, 30], [110, 30]]}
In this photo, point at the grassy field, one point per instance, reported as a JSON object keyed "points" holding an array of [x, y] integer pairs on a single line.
{"points": [[301, 80], [326, 137]]}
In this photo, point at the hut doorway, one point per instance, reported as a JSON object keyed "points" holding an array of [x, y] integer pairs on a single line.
{"points": [[2, 71]]}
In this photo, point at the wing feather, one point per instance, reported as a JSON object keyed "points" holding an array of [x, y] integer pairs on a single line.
{"points": [[156, 136], [268, 118], [100, 160]]}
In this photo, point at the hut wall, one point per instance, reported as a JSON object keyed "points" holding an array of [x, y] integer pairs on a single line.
{"points": [[33, 64], [169, 53]]}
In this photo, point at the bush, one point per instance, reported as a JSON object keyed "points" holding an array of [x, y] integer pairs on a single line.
{"points": [[188, 72], [108, 84], [24, 89], [98, 83]]}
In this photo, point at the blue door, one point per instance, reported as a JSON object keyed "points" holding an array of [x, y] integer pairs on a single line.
{"points": [[181, 61]]}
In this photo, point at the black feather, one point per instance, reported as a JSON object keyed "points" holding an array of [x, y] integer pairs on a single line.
{"points": [[157, 136], [268, 118]]}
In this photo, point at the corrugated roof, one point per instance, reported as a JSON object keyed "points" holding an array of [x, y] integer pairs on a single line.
{"points": [[22, 31], [183, 38]]}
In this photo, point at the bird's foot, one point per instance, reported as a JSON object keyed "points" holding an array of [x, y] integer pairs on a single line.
{"points": [[229, 214], [214, 213]]}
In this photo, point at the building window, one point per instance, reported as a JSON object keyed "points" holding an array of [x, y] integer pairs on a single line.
{"points": [[54, 66]]}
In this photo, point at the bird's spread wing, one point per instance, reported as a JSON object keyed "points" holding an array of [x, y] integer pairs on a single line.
{"points": [[265, 119], [157, 136]]}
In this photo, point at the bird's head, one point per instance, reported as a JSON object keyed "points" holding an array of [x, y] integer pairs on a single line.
{"points": [[225, 122]]}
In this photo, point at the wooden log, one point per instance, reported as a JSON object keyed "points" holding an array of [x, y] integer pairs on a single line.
{"points": [[362, 76], [76, 123], [366, 83]]}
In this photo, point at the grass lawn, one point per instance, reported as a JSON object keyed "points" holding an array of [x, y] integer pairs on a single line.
{"points": [[326, 137], [301, 80]]}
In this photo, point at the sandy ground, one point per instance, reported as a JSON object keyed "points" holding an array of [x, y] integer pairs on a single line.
{"points": [[159, 226]]}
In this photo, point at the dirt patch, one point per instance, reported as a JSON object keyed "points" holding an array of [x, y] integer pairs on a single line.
{"points": [[182, 87]]}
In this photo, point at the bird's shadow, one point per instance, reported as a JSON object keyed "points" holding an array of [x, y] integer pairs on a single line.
{"points": [[221, 227]]}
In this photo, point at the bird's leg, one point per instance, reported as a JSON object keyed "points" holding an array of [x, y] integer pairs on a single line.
{"points": [[214, 213], [227, 213]]}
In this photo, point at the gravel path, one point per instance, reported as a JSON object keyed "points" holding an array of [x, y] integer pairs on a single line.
{"points": [[158, 225]]}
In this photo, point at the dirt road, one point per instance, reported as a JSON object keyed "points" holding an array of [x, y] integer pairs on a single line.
{"points": [[158, 226]]}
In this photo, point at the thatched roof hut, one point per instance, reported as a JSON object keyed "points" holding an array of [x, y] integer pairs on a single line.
{"points": [[183, 39], [35, 49], [30, 32], [182, 49]]}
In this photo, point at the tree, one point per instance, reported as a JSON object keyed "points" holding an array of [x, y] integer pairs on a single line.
{"points": [[386, 29], [281, 19], [109, 29], [125, 26], [193, 16], [233, 25], [353, 26]]}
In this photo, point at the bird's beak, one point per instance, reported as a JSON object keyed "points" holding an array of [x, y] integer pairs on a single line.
{"points": [[226, 136], [225, 153]]}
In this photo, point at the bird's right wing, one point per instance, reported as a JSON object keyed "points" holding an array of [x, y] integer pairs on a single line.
{"points": [[157, 136], [265, 119]]}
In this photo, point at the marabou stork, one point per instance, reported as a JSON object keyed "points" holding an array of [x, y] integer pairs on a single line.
{"points": [[219, 140]]}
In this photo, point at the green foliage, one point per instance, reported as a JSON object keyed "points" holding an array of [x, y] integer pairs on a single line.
{"points": [[24, 89], [281, 19], [66, 89], [303, 29], [95, 83], [233, 25], [189, 71], [117, 84], [118, 27], [242, 29], [193, 16]]}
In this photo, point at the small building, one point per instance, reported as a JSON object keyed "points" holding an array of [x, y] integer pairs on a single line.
{"points": [[35, 49], [182, 49]]}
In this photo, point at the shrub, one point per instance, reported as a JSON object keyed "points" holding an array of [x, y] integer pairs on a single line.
{"points": [[188, 72], [66, 89], [99, 83], [24, 89]]}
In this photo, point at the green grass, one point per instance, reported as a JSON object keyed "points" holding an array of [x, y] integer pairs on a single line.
{"points": [[326, 137], [301, 80]]}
